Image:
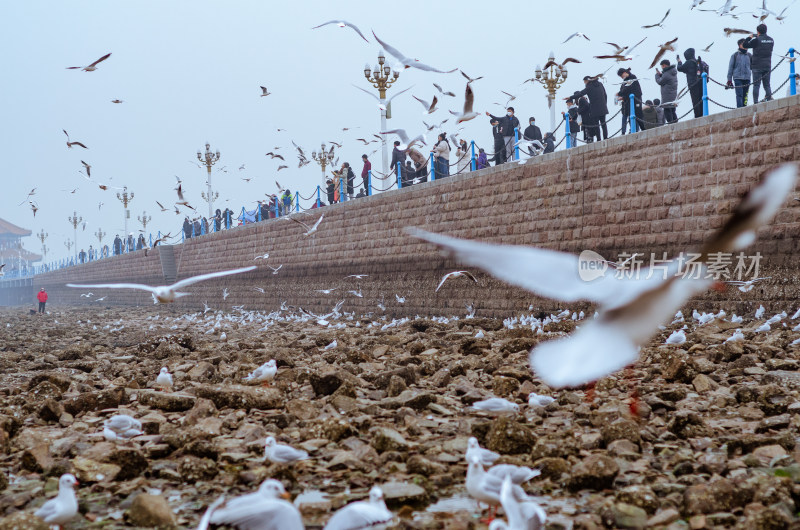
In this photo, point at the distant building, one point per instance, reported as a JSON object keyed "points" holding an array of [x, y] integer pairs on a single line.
{"points": [[11, 251]]}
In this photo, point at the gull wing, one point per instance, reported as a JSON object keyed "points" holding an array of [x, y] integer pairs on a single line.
{"points": [[212, 275], [100, 60], [397, 94], [359, 514], [206, 519], [399, 132], [469, 99], [139, 286], [261, 514], [368, 92], [392, 51]]}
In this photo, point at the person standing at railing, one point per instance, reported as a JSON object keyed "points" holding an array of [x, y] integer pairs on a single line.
{"points": [[549, 141], [499, 145], [41, 296], [130, 243], [660, 120], [286, 199], [649, 115], [441, 152], [350, 177], [104, 251], [141, 242], [187, 228], [667, 78], [532, 132], [117, 245], [330, 190], [361, 193], [598, 106], [462, 157], [693, 80], [365, 170], [217, 220], [508, 123], [761, 66], [409, 174], [739, 73], [572, 115], [421, 162], [630, 85], [91, 253], [398, 155], [483, 160], [82, 257], [584, 112]]}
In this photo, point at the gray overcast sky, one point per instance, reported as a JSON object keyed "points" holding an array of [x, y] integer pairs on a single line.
{"points": [[189, 72]]}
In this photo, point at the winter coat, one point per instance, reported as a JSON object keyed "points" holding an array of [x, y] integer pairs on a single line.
{"points": [[417, 157], [329, 190], [42, 296], [442, 150], [483, 161], [507, 124], [631, 88], [739, 66], [366, 170], [497, 130], [118, 243], [397, 156], [549, 143], [598, 99], [660, 113], [668, 79], [351, 178], [574, 126], [690, 69], [585, 112], [463, 159], [762, 51], [649, 117], [532, 132]]}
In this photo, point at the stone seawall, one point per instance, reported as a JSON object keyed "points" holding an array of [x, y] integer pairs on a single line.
{"points": [[662, 190]]}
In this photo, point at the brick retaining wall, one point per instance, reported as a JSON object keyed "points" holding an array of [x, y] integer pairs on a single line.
{"points": [[665, 189]]}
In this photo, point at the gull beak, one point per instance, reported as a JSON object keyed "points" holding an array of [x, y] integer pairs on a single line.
{"points": [[286, 495]]}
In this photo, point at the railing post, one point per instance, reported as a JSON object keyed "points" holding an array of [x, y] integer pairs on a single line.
{"points": [[399, 184], [342, 189], [297, 201], [369, 182], [567, 131], [151, 239], [473, 163], [193, 234], [632, 115], [433, 172], [516, 143], [318, 195], [277, 209], [258, 213], [705, 94], [792, 74]]}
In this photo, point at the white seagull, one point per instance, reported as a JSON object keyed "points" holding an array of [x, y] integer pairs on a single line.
{"points": [[165, 293], [456, 274], [206, 519], [64, 506], [382, 104], [343, 24], [121, 427], [409, 63], [576, 35], [429, 107], [486, 456], [282, 454], [309, 229], [264, 374], [496, 404], [630, 310], [92, 67], [164, 379], [469, 100], [485, 487], [525, 515], [361, 514], [405, 142], [264, 509]]}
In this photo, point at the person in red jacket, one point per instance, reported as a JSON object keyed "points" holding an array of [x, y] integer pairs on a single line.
{"points": [[42, 297]]}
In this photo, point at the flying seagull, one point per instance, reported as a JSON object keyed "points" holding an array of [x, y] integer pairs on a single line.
{"points": [[409, 63], [165, 293], [265, 509], [442, 92], [265, 92], [662, 49], [660, 24], [429, 107], [576, 35], [630, 310], [92, 67], [117, 101], [343, 24], [470, 79], [88, 168], [468, 113], [381, 104], [731, 31], [70, 144], [309, 229], [456, 274], [406, 143]]}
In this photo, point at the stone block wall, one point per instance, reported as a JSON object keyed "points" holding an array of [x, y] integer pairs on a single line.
{"points": [[661, 190]]}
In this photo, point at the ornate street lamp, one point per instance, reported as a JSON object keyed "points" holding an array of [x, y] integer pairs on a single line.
{"points": [[209, 159], [125, 199], [552, 79], [323, 158], [75, 221], [382, 78]]}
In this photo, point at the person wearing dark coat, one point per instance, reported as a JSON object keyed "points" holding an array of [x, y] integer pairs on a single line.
{"points": [[649, 116], [499, 144], [398, 155], [217, 220], [598, 106], [572, 114], [549, 142], [631, 86], [667, 78], [227, 218], [761, 65], [532, 132], [351, 178], [196, 227], [508, 124], [330, 191], [187, 228], [588, 126], [693, 80], [117, 245]]}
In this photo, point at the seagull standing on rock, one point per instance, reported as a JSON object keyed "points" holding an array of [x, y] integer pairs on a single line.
{"points": [[496, 404], [264, 509], [361, 514], [164, 379], [485, 456], [121, 427], [264, 374], [282, 454], [64, 506]]}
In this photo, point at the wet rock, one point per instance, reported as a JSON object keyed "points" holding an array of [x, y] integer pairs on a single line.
{"points": [[422, 466], [413, 399], [89, 471], [642, 496], [37, 458], [552, 468], [621, 515], [22, 521], [396, 385], [679, 367], [151, 511], [386, 439], [719, 496], [326, 383], [193, 468], [51, 410], [594, 472], [621, 429], [132, 462], [241, 397], [507, 436], [166, 401], [402, 493]]}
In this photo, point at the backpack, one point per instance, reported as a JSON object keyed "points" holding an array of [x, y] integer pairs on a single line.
{"points": [[702, 67]]}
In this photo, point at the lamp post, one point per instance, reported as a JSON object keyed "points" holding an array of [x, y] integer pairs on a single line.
{"points": [[209, 159], [382, 78], [100, 235], [323, 158], [42, 236], [68, 244], [144, 219], [44, 250], [75, 221], [125, 199], [551, 79]]}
